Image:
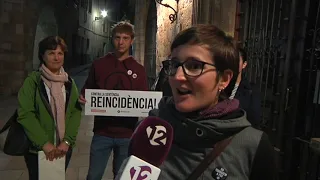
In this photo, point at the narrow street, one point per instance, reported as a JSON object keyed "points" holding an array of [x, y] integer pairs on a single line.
{"points": [[13, 168]]}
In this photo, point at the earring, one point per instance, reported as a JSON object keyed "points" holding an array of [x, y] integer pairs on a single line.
{"points": [[221, 89]]}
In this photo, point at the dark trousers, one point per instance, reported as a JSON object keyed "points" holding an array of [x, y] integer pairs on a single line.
{"points": [[31, 160]]}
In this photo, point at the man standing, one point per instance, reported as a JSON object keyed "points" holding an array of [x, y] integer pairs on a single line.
{"points": [[114, 71], [248, 94], [162, 83]]}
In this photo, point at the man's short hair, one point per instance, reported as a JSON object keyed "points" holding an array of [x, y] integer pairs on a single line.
{"points": [[123, 27], [243, 54]]}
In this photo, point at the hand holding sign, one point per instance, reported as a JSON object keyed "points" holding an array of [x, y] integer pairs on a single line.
{"points": [[82, 100]]}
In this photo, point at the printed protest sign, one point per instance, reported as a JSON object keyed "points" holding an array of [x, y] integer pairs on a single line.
{"points": [[120, 102]]}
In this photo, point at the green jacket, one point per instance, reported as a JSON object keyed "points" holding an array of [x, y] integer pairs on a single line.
{"points": [[35, 115]]}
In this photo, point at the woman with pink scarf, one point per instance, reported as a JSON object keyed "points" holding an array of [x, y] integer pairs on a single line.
{"points": [[48, 107]]}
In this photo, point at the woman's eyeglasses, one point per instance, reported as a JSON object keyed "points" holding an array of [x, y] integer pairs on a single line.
{"points": [[190, 67]]}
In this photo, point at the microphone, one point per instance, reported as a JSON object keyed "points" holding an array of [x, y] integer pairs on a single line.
{"points": [[149, 147]]}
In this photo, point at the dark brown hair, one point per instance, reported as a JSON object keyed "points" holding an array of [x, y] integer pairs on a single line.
{"points": [[51, 43], [225, 54], [243, 54], [123, 27]]}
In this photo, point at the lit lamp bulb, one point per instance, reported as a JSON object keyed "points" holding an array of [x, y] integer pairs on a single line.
{"points": [[104, 13]]}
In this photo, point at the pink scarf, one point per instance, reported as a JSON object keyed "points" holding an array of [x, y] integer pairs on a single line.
{"points": [[57, 102]]}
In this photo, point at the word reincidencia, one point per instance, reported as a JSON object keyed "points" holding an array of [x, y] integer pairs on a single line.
{"points": [[113, 100]]}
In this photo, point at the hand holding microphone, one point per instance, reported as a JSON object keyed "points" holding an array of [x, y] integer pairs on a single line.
{"points": [[149, 147]]}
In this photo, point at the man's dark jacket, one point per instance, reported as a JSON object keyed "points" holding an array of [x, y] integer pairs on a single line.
{"points": [[163, 84], [250, 100]]}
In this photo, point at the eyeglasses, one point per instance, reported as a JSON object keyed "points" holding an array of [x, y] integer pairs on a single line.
{"points": [[190, 67]]}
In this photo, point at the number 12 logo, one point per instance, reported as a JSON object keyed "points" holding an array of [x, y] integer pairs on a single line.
{"points": [[140, 173], [157, 135]]}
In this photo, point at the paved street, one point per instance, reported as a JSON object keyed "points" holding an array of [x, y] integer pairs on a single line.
{"points": [[80, 78], [13, 168]]}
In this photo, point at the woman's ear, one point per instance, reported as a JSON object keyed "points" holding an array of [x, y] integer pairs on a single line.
{"points": [[225, 79], [244, 65]]}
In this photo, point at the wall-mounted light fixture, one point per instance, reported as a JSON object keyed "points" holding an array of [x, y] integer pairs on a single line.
{"points": [[103, 14], [172, 17]]}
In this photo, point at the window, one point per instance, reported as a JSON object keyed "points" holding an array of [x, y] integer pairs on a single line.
{"points": [[104, 27], [84, 4], [90, 6], [85, 16], [88, 44], [82, 45]]}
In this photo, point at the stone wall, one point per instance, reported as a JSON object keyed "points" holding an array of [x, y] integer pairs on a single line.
{"points": [[225, 13], [184, 15], [47, 25], [15, 45], [67, 17], [141, 8], [18, 24], [167, 30], [219, 12]]}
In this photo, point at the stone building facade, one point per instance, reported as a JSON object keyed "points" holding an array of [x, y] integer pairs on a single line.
{"points": [[22, 24], [92, 39], [155, 31]]}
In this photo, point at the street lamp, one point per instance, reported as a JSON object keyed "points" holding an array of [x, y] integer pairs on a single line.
{"points": [[103, 14]]}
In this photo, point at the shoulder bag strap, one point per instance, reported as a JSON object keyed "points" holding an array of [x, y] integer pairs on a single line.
{"points": [[9, 122], [205, 163], [15, 114]]}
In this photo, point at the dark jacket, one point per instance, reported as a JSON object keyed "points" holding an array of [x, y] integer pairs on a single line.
{"points": [[162, 84], [250, 101], [249, 156]]}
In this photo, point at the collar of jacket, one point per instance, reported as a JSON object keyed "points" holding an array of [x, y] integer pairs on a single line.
{"points": [[195, 134], [44, 95]]}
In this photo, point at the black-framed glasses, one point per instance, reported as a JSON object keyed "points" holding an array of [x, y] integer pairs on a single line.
{"points": [[190, 67]]}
